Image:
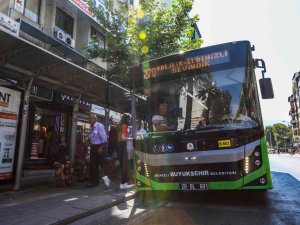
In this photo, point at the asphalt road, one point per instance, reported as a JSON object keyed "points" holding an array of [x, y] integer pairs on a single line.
{"points": [[278, 206]]}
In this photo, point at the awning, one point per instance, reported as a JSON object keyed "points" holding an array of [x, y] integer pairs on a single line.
{"points": [[23, 60]]}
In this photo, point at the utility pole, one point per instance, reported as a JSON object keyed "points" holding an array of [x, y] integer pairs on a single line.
{"points": [[287, 134], [271, 139]]}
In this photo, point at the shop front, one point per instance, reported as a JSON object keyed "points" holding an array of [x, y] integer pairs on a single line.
{"points": [[30, 65], [48, 120], [10, 100]]}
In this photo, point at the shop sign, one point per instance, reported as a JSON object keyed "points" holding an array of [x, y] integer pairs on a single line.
{"points": [[70, 100], [115, 116], [83, 6], [34, 151], [9, 24], [98, 110], [9, 113], [19, 6]]}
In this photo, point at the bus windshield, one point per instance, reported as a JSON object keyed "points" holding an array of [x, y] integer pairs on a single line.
{"points": [[223, 99]]}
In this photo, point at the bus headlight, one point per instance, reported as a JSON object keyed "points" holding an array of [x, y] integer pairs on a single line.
{"points": [[253, 161], [146, 170], [246, 166], [257, 162]]}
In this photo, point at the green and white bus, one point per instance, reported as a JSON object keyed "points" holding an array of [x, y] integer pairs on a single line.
{"points": [[213, 134]]}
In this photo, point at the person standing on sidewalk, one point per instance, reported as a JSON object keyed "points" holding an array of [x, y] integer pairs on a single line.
{"points": [[122, 150], [98, 141]]}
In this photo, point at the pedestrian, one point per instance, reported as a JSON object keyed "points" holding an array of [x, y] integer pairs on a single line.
{"points": [[62, 165], [123, 137], [98, 142], [80, 157]]}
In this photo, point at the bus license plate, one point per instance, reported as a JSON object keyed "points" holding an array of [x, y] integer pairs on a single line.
{"points": [[193, 187]]}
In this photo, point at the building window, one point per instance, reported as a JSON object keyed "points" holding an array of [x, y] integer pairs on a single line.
{"points": [[29, 8], [98, 36], [32, 10], [64, 21]]}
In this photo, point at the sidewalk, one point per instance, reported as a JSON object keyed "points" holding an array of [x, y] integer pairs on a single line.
{"points": [[296, 155], [40, 201]]}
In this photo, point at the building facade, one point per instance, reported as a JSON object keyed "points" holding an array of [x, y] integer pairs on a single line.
{"points": [[294, 101], [44, 67]]}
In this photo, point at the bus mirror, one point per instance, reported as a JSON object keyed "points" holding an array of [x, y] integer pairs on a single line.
{"points": [[266, 88]]}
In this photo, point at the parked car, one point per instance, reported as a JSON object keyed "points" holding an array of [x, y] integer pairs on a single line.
{"points": [[271, 151]]}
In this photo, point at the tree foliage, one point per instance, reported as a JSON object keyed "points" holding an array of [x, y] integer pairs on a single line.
{"points": [[148, 31], [278, 135]]}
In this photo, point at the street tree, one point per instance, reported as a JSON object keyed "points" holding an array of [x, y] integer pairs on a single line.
{"points": [[270, 137], [282, 134], [148, 31]]}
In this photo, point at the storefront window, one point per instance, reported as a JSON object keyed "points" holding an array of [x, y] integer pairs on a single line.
{"points": [[98, 37], [64, 21], [46, 125]]}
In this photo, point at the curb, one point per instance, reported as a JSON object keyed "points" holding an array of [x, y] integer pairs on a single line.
{"points": [[95, 210]]}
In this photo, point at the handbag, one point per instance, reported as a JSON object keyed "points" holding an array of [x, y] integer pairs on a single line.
{"points": [[101, 148]]}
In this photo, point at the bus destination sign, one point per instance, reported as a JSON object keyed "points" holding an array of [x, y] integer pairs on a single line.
{"points": [[187, 64]]}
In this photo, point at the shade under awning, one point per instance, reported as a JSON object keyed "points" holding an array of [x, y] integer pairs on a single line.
{"points": [[23, 60]]}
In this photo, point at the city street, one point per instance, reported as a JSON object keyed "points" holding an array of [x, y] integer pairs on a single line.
{"points": [[104, 102], [277, 206], [285, 163]]}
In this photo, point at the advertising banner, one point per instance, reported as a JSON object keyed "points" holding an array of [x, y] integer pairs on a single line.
{"points": [[9, 113], [115, 116], [98, 110]]}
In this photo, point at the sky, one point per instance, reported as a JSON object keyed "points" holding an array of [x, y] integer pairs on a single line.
{"points": [[273, 27]]}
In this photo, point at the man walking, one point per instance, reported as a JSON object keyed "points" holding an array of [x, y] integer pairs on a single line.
{"points": [[98, 141]]}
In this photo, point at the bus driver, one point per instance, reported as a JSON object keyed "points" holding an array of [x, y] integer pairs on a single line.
{"points": [[159, 120]]}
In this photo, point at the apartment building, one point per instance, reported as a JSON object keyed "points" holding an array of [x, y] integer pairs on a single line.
{"points": [[294, 101]]}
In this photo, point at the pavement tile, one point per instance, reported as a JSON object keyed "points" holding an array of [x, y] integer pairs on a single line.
{"points": [[40, 201], [31, 219], [60, 212]]}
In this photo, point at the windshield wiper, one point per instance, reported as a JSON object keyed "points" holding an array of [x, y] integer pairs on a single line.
{"points": [[209, 128], [189, 131]]}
